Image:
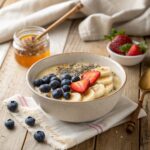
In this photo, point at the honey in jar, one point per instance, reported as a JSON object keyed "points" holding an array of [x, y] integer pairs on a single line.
{"points": [[27, 49]]}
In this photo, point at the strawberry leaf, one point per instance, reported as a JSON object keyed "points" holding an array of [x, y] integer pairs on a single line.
{"points": [[113, 33], [120, 32], [125, 48], [108, 37], [143, 46]]}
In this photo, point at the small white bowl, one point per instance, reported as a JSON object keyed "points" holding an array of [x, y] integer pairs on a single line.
{"points": [[125, 60]]}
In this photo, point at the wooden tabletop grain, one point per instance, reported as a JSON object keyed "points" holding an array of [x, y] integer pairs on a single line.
{"points": [[12, 81]]}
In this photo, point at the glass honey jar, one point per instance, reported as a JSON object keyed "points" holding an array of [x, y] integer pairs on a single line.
{"points": [[27, 49]]}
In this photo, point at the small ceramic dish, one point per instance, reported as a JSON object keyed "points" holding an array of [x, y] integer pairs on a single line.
{"points": [[125, 60], [76, 111]]}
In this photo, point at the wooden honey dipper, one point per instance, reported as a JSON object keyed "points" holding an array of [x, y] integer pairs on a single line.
{"points": [[30, 43], [71, 12]]}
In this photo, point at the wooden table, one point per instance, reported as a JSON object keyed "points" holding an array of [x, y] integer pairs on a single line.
{"points": [[12, 81]]}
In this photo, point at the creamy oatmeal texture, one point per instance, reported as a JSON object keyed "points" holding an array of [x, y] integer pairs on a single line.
{"points": [[107, 83]]}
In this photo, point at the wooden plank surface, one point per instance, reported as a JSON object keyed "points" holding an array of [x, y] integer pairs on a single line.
{"points": [[12, 81]]}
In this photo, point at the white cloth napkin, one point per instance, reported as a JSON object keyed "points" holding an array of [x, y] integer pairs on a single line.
{"points": [[63, 135], [133, 16]]}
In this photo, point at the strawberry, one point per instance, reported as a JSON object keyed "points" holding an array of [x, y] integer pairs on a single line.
{"points": [[114, 46], [137, 49], [118, 41], [122, 39], [134, 50], [118, 38], [92, 76], [80, 86]]}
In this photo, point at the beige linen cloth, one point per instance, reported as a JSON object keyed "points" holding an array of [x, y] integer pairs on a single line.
{"points": [[63, 135], [102, 15]]}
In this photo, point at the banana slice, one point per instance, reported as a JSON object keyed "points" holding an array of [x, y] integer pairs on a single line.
{"points": [[75, 97], [105, 80], [105, 71], [117, 82], [108, 88], [89, 95], [99, 90]]}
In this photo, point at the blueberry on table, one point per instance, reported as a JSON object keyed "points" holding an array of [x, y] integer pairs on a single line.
{"points": [[55, 78], [30, 121], [45, 88], [75, 78], [65, 82], [54, 84], [58, 93], [39, 136], [66, 95], [37, 82], [66, 76], [12, 105], [9, 124], [66, 88]]}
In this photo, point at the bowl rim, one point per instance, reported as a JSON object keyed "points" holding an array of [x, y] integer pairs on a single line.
{"points": [[123, 56], [62, 101]]}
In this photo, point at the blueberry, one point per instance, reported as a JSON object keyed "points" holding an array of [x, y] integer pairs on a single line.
{"points": [[66, 95], [9, 124], [37, 82], [75, 78], [30, 121], [65, 82], [46, 79], [51, 75], [12, 105], [66, 76], [66, 88], [39, 136], [54, 84], [55, 78], [58, 93], [45, 88]]}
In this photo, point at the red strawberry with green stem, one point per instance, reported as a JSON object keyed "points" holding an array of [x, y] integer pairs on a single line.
{"points": [[137, 49], [118, 41], [134, 49], [118, 38]]}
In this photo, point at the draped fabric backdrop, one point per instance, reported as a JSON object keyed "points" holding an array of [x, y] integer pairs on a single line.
{"points": [[100, 16]]}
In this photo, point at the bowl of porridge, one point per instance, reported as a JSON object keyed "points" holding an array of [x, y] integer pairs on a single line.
{"points": [[76, 87]]}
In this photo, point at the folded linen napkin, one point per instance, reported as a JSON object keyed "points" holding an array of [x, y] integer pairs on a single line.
{"points": [[63, 135], [133, 16]]}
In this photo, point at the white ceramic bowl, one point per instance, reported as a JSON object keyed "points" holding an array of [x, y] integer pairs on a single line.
{"points": [[125, 60], [76, 111]]}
